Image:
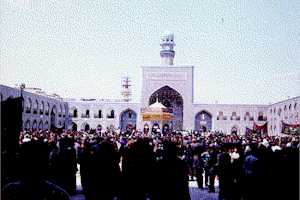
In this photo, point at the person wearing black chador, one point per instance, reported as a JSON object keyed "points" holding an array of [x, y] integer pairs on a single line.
{"points": [[106, 171], [172, 176], [224, 171], [66, 165], [33, 183], [137, 171], [85, 158]]}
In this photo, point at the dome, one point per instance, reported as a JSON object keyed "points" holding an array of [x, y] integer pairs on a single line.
{"points": [[157, 105], [167, 36]]}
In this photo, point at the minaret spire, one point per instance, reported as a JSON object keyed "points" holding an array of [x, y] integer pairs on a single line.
{"points": [[167, 52]]}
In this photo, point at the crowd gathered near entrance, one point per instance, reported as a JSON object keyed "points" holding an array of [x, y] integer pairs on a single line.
{"points": [[144, 165]]}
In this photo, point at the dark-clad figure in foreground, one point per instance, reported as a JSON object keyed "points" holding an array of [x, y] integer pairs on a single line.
{"points": [[137, 169], [224, 171], [63, 165], [33, 185], [172, 176]]}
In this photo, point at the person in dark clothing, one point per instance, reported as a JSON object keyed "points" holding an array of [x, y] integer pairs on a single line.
{"points": [[237, 170], [198, 166], [33, 184], [85, 155], [105, 171], [251, 174], [66, 165], [172, 176], [205, 157], [211, 169], [224, 171], [137, 170]]}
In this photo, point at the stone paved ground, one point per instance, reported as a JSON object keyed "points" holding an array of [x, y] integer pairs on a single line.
{"points": [[202, 194], [195, 192]]}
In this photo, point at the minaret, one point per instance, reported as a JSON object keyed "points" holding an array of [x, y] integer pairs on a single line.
{"points": [[167, 44], [126, 90]]}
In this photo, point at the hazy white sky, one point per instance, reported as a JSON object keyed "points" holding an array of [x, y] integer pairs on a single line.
{"points": [[243, 51]]}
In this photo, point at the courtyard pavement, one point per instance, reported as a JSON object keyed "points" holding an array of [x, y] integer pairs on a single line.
{"points": [[195, 192]]}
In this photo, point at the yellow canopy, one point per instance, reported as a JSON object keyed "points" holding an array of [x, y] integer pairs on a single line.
{"points": [[156, 112], [157, 116]]}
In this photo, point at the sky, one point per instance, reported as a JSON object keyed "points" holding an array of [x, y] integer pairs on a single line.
{"points": [[243, 52]]}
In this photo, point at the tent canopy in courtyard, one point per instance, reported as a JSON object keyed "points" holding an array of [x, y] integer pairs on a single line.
{"points": [[156, 112]]}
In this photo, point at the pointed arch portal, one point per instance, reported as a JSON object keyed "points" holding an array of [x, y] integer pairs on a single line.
{"points": [[203, 121], [127, 120], [173, 100]]}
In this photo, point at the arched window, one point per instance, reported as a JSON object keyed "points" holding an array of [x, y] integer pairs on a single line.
{"points": [[260, 116], [66, 110], [36, 106], [60, 110], [40, 127], [99, 127], [42, 108], [29, 106], [87, 113], [34, 125], [46, 125], [284, 107], [295, 106], [290, 106], [279, 112], [247, 116], [47, 110], [75, 113], [99, 113], [233, 116], [111, 114], [220, 115]]}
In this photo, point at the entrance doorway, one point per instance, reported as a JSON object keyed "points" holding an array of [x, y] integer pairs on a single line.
{"points": [[172, 100]]}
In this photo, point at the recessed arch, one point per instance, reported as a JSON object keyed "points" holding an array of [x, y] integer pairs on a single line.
{"points": [[173, 100], [27, 125], [260, 116], [47, 109], [35, 106], [74, 112], [128, 119], [74, 126], [34, 125], [85, 126], [42, 108], [46, 125], [99, 127], [111, 114], [53, 117], [28, 105], [40, 127], [203, 121]]}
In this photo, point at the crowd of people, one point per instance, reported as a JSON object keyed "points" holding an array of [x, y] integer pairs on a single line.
{"points": [[142, 165]]}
